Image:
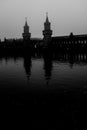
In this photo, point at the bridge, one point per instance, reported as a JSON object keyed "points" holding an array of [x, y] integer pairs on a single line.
{"points": [[71, 42], [62, 43]]}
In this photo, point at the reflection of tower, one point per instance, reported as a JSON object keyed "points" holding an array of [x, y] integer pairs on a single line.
{"points": [[71, 60], [48, 67], [26, 35], [47, 32], [27, 66]]}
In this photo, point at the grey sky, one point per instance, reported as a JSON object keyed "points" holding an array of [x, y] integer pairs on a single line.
{"points": [[65, 16]]}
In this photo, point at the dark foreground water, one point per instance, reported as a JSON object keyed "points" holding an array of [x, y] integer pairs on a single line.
{"points": [[43, 91]]}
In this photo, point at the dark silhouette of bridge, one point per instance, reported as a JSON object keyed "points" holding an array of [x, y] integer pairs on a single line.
{"points": [[71, 42], [76, 43], [61, 43]]}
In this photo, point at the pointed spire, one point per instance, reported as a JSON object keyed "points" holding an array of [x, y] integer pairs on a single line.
{"points": [[47, 20], [46, 14], [26, 21]]}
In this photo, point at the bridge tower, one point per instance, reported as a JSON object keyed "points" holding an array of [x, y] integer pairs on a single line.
{"points": [[47, 32], [26, 34]]}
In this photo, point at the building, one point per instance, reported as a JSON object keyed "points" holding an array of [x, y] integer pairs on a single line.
{"points": [[47, 32], [26, 34]]}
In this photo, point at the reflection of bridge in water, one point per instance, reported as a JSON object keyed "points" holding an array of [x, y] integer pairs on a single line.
{"points": [[77, 58], [48, 59]]}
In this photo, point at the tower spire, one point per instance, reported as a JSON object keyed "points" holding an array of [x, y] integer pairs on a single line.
{"points": [[47, 32], [26, 18], [46, 14], [26, 21], [47, 20], [26, 34]]}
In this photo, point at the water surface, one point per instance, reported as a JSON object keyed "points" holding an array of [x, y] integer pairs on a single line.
{"points": [[42, 72], [44, 90]]}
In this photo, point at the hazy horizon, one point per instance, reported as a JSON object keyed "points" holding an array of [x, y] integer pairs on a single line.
{"points": [[65, 16]]}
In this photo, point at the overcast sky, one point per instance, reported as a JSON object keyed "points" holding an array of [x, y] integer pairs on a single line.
{"points": [[65, 16]]}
